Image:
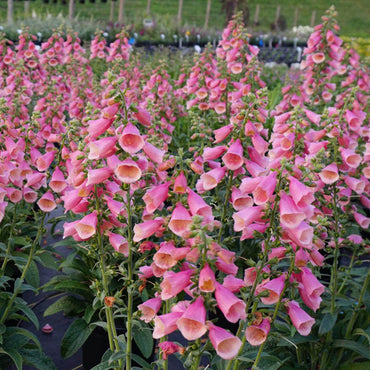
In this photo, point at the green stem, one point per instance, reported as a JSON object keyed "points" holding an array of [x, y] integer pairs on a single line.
{"points": [[226, 202], [130, 281], [36, 241], [196, 360], [10, 238], [349, 268]]}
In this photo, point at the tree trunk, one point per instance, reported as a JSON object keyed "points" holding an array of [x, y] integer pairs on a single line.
{"points": [[26, 7], [111, 15], [10, 12], [71, 9], [208, 11], [179, 13], [148, 7], [121, 11]]}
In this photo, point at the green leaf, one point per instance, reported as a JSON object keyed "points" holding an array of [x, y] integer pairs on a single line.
{"points": [[20, 240], [32, 275], [29, 313], [144, 340], [140, 361], [67, 304], [327, 323], [23, 332], [48, 260], [363, 333], [73, 286], [37, 359], [103, 366], [75, 337], [15, 356], [4, 280], [353, 346], [89, 313], [356, 366]]}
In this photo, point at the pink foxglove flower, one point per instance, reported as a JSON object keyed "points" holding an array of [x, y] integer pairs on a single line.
{"points": [[47, 202], [274, 287], [154, 197], [127, 171], [165, 324], [149, 309], [329, 175], [130, 139], [226, 345], [174, 282], [207, 279], [232, 307], [233, 159], [147, 229], [211, 178], [169, 348], [300, 193], [180, 221], [153, 153], [192, 323], [198, 206], [180, 185], [57, 182], [119, 243], [86, 227], [257, 334], [300, 319], [265, 189], [98, 175], [290, 215], [246, 217], [102, 148]]}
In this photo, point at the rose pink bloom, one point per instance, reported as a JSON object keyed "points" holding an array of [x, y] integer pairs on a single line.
{"points": [[102, 148], [180, 185], [255, 169], [210, 154], [355, 184], [145, 272], [300, 319], [232, 307], [29, 195], [233, 159], [44, 161], [329, 175], [57, 182], [165, 324], [98, 175], [198, 206], [362, 220], [146, 229], [318, 58], [130, 139], [47, 202], [257, 334], [207, 279], [119, 243], [290, 215], [249, 184], [239, 200], [36, 180], [143, 116], [174, 282], [2, 210], [168, 255], [98, 126], [226, 267], [351, 158], [14, 195], [153, 153], [180, 220], [233, 284], [354, 119], [169, 348], [71, 198], [86, 227], [301, 194], [154, 197], [149, 309], [302, 235], [265, 189], [192, 324], [274, 287], [127, 171], [211, 178], [222, 133], [247, 216], [301, 257], [226, 345]]}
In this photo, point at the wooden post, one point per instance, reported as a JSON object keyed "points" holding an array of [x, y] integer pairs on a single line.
{"points": [[148, 7], [71, 9], [277, 16], [26, 7], [257, 14], [111, 14], [295, 17], [121, 11], [313, 16], [179, 13], [10, 12], [208, 11]]}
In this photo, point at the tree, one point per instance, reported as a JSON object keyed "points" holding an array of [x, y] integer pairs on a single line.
{"points": [[231, 7]]}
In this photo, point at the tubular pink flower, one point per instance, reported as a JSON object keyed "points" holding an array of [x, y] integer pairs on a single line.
{"points": [[246, 217], [274, 287], [174, 282], [127, 171], [290, 215], [47, 202], [169, 348], [119, 243], [300, 193], [154, 197], [222, 133], [232, 307], [57, 182], [98, 127], [14, 195], [265, 189], [180, 220], [130, 139], [168, 255], [209, 154], [86, 227], [302, 235], [233, 159], [98, 175], [300, 319], [143, 116], [211, 178], [318, 58], [207, 279], [102, 148], [147, 229], [192, 324], [165, 324], [240, 200], [153, 153], [233, 284], [329, 175], [29, 195], [257, 334], [44, 162], [198, 206], [149, 309], [351, 158], [362, 220], [226, 345], [180, 185], [354, 184]]}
